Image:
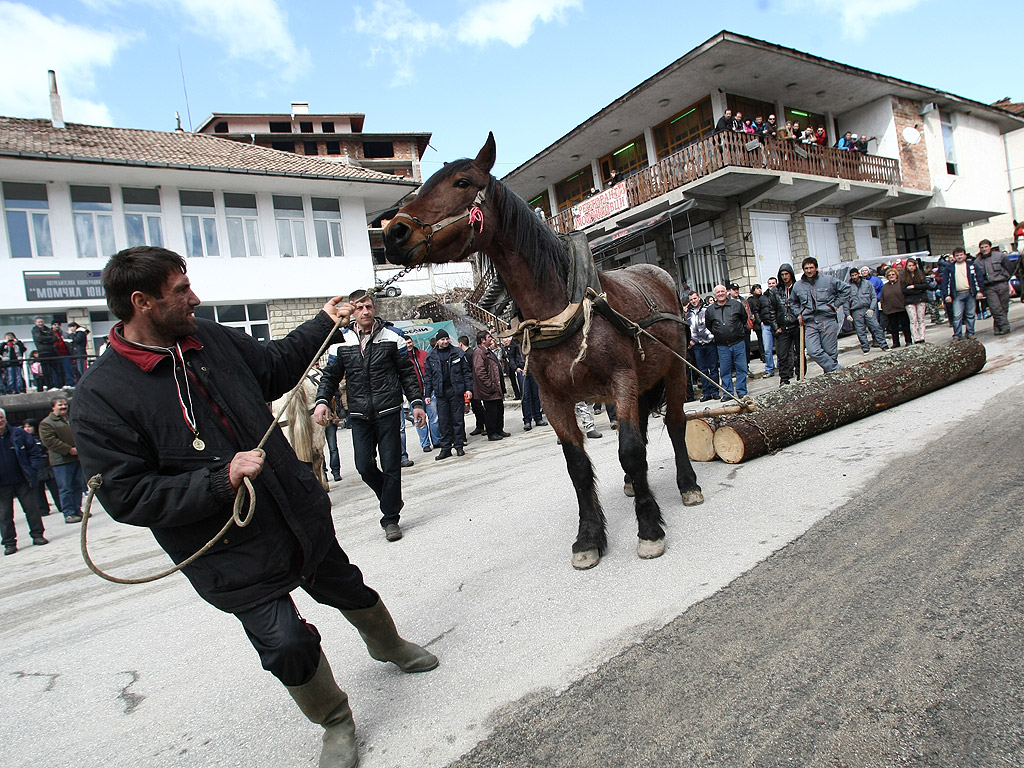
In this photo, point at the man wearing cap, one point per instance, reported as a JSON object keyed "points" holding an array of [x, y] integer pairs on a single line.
{"points": [[448, 382], [373, 361]]}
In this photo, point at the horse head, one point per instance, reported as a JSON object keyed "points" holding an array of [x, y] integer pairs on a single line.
{"points": [[447, 220]]}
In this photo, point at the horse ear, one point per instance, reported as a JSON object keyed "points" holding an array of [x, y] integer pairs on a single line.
{"points": [[485, 158]]}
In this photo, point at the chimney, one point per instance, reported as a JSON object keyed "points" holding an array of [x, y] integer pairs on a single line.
{"points": [[55, 109], [300, 108], [177, 119]]}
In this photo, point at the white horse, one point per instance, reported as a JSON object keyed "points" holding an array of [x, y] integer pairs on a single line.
{"points": [[306, 437]]}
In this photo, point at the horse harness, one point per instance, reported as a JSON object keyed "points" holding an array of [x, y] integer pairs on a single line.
{"points": [[474, 213]]}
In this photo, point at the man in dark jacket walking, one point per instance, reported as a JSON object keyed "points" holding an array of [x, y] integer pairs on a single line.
{"points": [[784, 323], [376, 368], [727, 321], [168, 417], [448, 381], [20, 459]]}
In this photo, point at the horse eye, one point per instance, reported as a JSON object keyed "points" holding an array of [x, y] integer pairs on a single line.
{"points": [[462, 183]]}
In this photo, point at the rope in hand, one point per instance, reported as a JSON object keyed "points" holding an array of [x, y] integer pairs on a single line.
{"points": [[245, 489]]}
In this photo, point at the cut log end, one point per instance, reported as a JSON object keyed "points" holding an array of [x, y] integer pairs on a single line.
{"points": [[729, 445], [700, 439]]}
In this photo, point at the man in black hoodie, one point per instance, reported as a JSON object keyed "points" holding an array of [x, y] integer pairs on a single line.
{"points": [[727, 321], [778, 313], [448, 380]]}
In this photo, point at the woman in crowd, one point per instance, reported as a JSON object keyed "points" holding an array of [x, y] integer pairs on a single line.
{"points": [[915, 293], [894, 307]]}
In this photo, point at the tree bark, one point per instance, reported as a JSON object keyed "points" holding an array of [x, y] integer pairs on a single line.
{"points": [[813, 406], [700, 439]]}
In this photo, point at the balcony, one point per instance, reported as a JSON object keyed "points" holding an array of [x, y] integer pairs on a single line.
{"points": [[722, 151]]}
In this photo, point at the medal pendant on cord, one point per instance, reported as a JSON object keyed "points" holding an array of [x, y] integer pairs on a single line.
{"points": [[187, 410], [198, 444]]}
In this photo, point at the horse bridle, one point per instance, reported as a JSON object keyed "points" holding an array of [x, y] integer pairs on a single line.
{"points": [[474, 213]]}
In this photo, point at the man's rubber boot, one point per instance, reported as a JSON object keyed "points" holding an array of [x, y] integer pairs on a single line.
{"points": [[324, 703], [377, 629]]}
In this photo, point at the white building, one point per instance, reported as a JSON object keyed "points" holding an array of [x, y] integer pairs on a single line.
{"points": [[267, 234]]}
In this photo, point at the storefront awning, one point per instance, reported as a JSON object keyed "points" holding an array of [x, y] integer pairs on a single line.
{"points": [[606, 241]]}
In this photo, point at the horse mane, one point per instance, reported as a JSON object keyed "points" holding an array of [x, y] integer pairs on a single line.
{"points": [[299, 421], [533, 240]]}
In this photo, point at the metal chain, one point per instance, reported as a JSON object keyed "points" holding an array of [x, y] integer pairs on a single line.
{"points": [[380, 286]]}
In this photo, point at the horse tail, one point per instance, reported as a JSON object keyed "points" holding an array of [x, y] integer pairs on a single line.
{"points": [[301, 423]]}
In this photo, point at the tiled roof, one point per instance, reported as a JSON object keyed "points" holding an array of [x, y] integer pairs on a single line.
{"points": [[129, 146], [1016, 107]]}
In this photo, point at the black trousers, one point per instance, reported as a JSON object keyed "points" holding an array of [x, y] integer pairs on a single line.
{"points": [[29, 500], [288, 645], [477, 407], [451, 420], [899, 321], [494, 416], [787, 349], [383, 436]]}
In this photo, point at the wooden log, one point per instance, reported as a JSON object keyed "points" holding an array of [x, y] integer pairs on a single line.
{"points": [[700, 439], [813, 406]]}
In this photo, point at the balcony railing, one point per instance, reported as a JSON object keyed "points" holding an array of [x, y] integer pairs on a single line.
{"points": [[726, 149]]}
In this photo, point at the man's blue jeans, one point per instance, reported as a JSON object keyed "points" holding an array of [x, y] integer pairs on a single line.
{"points": [[963, 309], [734, 358], [768, 340], [72, 485], [331, 435], [15, 381], [532, 410], [381, 436], [431, 433], [707, 362]]}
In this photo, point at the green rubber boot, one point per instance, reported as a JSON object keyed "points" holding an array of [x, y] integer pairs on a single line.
{"points": [[377, 629], [324, 703]]}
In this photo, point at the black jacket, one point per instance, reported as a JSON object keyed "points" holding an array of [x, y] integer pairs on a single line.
{"points": [[44, 338], [129, 427], [448, 372], [777, 311], [374, 380], [728, 322]]}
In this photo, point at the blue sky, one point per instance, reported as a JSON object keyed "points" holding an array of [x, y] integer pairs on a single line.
{"points": [[530, 70]]}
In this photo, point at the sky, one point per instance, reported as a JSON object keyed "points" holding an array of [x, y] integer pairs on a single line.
{"points": [[528, 70]]}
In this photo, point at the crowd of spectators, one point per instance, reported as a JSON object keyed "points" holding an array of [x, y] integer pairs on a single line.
{"points": [[58, 360], [791, 131]]}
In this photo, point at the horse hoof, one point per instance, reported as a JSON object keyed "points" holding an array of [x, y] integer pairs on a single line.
{"points": [[648, 549], [627, 488], [692, 498], [581, 561]]}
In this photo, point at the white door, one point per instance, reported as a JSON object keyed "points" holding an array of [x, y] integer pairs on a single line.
{"points": [[867, 238], [771, 243], [823, 240]]}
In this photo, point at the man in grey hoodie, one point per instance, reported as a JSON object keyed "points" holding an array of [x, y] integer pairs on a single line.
{"points": [[814, 299], [997, 273], [863, 311]]}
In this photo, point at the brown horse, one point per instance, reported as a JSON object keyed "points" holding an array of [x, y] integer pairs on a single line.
{"points": [[461, 209]]}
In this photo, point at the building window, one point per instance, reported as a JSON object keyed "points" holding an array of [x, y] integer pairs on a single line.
{"points": [[327, 227], [327, 126], [543, 202], [199, 217], [284, 146], [909, 240], [93, 216], [28, 220], [306, 127], [805, 118], [291, 226], [947, 141], [310, 148], [280, 127], [690, 125], [575, 188], [221, 127], [243, 225], [142, 216], [625, 161], [378, 149], [753, 108], [251, 318], [333, 147]]}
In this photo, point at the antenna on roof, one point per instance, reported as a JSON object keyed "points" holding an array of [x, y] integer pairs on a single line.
{"points": [[188, 110]]}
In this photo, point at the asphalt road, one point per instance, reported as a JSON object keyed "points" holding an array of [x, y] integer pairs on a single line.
{"points": [[788, 622], [888, 634]]}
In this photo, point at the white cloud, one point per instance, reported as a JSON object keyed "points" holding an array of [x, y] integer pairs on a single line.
{"points": [[32, 42], [510, 21], [256, 30], [855, 17], [401, 35]]}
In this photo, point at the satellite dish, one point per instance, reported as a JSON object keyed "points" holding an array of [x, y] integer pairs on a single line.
{"points": [[911, 135]]}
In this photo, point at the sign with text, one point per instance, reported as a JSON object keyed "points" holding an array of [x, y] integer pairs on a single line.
{"points": [[63, 285], [600, 206]]}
